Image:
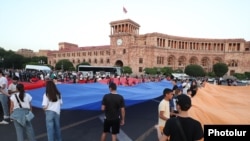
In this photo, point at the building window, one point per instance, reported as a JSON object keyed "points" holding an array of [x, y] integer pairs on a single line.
{"points": [[124, 51], [160, 60], [140, 69], [84, 54], [95, 60], [83, 60], [233, 63], [140, 60], [101, 61], [89, 53], [78, 61], [108, 61], [89, 60]]}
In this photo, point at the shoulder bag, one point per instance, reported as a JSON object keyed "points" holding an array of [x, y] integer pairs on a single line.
{"points": [[28, 116]]}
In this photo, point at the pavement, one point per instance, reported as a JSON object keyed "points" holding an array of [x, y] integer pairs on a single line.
{"points": [[85, 125]]}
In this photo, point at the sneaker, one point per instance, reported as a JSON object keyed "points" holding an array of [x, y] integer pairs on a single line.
{"points": [[6, 117], [4, 122]]}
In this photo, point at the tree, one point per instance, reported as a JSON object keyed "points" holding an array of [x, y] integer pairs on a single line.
{"points": [[127, 70], [64, 64], [150, 70], [178, 71], [247, 75], [240, 76], [194, 70], [167, 71], [220, 69]]}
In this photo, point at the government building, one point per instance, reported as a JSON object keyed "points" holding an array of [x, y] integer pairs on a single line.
{"points": [[138, 51]]}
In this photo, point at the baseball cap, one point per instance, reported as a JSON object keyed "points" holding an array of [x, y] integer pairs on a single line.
{"points": [[183, 101]]}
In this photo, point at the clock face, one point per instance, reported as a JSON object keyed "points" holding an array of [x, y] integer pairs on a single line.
{"points": [[119, 42]]}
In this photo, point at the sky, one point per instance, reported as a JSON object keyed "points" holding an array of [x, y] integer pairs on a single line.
{"points": [[42, 24]]}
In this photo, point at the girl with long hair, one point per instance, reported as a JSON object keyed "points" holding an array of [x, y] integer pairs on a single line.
{"points": [[18, 112], [51, 103]]}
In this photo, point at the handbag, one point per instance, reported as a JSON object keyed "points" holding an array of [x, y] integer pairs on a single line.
{"points": [[28, 116]]}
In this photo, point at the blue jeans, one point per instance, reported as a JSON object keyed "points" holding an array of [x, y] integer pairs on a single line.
{"points": [[4, 101], [53, 126], [28, 129]]}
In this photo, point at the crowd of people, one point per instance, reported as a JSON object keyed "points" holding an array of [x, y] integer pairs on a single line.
{"points": [[16, 105], [173, 120]]}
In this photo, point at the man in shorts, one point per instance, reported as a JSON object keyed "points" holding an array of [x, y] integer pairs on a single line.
{"points": [[113, 106]]}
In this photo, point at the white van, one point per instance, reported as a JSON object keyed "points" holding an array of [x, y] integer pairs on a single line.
{"points": [[38, 68]]}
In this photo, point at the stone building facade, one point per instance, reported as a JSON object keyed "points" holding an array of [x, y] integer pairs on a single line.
{"points": [[129, 48], [26, 52]]}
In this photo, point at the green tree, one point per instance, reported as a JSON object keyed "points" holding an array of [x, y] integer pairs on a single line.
{"points": [[64, 64], [211, 74], [240, 76], [167, 71], [220, 69], [127, 70], [247, 75], [178, 71], [194, 70], [151, 70]]}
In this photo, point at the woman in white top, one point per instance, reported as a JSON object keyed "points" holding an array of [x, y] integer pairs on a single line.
{"points": [[52, 105], [18, 112]]}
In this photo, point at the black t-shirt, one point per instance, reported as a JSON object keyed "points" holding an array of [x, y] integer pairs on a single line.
{"points": [[113, 104], [191, 127]]}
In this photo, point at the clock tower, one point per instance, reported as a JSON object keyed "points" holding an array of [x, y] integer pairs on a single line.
{"points": [[122, 37]]}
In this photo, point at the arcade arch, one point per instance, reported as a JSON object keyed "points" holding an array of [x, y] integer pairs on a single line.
{"points": [[171, 61], [205, 63], [119, 63], [193, 60], [217, 60]]}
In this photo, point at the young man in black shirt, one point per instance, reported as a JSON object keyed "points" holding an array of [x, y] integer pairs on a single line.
{"points": [[114, 107], [183, 127]]}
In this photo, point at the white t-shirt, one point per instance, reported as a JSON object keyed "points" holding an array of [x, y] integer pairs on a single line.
{"points": [[52, 106], [163, 106], [26, 104], [12, 87], [3, 81]]}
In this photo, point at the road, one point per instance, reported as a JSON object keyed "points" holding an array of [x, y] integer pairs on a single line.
{"points": [[83, 125]]}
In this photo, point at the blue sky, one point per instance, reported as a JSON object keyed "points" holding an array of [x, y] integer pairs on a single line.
{"points": [[42, 24]]}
